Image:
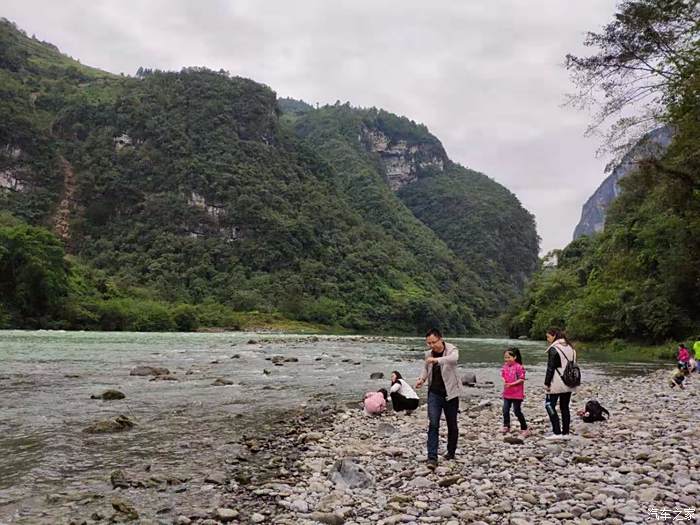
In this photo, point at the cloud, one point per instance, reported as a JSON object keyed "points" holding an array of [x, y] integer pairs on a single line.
{"points": [[485, 77]]}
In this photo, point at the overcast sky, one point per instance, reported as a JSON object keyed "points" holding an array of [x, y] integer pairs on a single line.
{"points": [[486, 77]]}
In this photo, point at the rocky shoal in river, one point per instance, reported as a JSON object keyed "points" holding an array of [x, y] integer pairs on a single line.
{"points": [[341, 467]]}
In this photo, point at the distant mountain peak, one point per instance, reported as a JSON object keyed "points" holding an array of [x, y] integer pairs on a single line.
{"points": [[593, 213]]}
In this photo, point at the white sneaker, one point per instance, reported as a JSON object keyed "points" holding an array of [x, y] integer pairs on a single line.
{"points": [[557, 437]]}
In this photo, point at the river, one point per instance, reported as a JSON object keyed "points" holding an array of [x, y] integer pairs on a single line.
{"points": [[47, 378]]}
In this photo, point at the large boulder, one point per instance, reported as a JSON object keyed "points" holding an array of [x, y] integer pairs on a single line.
{"points": [[109, 395], [469, 378]]}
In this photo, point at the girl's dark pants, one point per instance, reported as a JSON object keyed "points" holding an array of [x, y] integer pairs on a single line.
{"points": [[550, 403], [515, 403], [399, 402]]}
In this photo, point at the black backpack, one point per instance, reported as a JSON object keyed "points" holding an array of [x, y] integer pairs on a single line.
{"points": [[595, 412], [572, 373]]}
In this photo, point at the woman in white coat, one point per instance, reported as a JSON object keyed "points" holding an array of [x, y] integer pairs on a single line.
{"points": [[559, 350]]}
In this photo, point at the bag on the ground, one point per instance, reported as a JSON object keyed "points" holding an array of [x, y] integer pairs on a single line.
{"points": [[595, 412], [572, 373]]}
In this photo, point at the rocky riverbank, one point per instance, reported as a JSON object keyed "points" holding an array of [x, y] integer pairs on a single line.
{"points": [[338, 466], [644, 458]]}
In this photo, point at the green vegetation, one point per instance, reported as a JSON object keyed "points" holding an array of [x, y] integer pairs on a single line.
{"points": [[188, 200], [618, 350], [42, 288], [456, 215], [639, 280]]}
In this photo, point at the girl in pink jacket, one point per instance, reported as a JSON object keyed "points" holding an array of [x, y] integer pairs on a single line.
{"points": [[513, 375], [683, 355]]}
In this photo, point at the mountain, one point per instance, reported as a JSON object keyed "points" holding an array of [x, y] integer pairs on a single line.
{"points": [[482, 222], [653, 144], [199, 188]]}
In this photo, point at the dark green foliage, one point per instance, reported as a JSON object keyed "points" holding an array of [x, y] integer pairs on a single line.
{"points": [[473, 217], [483, 223], [33, 274], [191, 198], [293, 106]]}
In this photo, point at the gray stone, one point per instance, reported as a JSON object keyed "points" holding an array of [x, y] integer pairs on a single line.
{"points": [[125, 508], [312, 437], [118, 479], [348, 473], [449, 481], [109, 395], [329, 518], [376, 375], [420, 482], [119, 424], [444, 511], [503, 508], [469, 378], [600, 514], [649, 494], [217, 478], [149, 371], [300, 505], [385, 429], [226, 515]]}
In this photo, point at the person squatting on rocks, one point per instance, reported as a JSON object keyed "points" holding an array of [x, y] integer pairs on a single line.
{"points": [[678, 376], [375, 402], [513, 374], [558, 351], [403, 397], [444, 388]]}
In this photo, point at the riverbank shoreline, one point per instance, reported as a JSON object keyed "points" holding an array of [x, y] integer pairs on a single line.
{"points": [[615, 472], [331, 464]]}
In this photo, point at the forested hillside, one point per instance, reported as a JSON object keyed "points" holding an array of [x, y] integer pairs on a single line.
{"points": [[640, 278], [478, 219], [179, 194]]}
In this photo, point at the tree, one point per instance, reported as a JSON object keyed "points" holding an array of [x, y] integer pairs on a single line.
{"points": [[33, 272], [643, 57]]}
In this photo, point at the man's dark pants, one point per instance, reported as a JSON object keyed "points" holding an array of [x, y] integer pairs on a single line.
{"points": [[436, 405]]}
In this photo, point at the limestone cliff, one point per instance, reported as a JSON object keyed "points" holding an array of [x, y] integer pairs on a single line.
{"points": [[404, 161], [593, 212]]}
